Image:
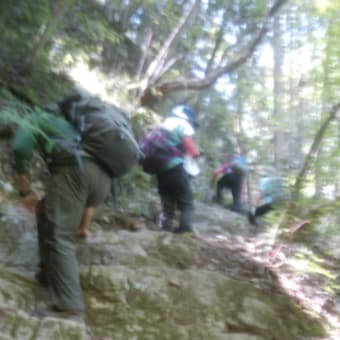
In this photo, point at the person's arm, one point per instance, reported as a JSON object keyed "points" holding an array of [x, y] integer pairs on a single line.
{"points": [[82, 230], [23, 145], [189, 147], [217, 172], [22, 183]]}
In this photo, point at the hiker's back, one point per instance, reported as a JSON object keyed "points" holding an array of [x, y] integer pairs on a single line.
{"points": [[239, 165], [163, 147], [105, 133], [48, 134], [158, 148], [275, 188]]}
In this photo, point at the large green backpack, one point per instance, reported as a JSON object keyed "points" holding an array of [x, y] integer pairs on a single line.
{"points": [[105, 133]]}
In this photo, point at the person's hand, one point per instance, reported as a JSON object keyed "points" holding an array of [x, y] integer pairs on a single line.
{"points": [[83, 228], [29, 202], [22, 183]]}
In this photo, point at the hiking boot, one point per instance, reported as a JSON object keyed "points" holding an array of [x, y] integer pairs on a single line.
{"points": [[235, 208], [54, 312], [182, 232], [252, 218], [169, 230], [166, 227]]}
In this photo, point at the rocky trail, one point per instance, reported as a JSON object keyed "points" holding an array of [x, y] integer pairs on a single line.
{"points": [[229, 281]]}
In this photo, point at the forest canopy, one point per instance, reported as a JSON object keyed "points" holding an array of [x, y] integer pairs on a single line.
{"points": [[259, 73]]}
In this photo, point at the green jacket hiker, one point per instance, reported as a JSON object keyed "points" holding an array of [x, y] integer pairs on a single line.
{"points": [[75, 184]]}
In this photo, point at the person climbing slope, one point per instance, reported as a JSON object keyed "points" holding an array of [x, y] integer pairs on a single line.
{"points": [[233, 173], [79, 181], [164, 150]]}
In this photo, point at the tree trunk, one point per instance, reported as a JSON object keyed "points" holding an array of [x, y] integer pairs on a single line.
{"points": [[280, 138], [318, 175], [211, 62], [308, 163]]}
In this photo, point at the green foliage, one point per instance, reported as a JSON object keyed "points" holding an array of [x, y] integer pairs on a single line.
{"points": [[86, 28], [40, 36], [311, 264], [21, 25], [15, 112]]}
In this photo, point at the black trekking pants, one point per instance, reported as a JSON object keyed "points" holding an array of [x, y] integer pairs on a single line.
{"points": [[175, 192], [233, 182], [263, 209]]}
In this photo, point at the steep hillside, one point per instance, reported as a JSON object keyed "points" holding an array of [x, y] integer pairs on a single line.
{"points": [[140, 283]]}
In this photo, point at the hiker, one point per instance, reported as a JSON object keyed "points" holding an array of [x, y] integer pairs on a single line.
{"points": [[271, 192], [79, 181], [233, 175], [35, 206], [173, 181]]}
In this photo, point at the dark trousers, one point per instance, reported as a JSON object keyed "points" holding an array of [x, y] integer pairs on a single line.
{"points": [[175, 192], [263, 209], [233, 182], [69, 192]]}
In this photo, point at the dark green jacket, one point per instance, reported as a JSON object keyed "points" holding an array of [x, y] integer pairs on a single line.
{"points": [[43, 132]]}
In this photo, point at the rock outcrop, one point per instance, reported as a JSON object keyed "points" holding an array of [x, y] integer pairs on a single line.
{"points": [[147, 284]]}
